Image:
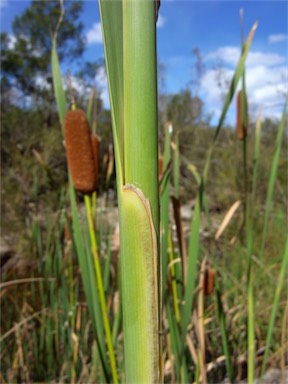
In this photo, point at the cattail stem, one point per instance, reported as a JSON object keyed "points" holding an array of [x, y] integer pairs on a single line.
{"points": [[100, 287]]}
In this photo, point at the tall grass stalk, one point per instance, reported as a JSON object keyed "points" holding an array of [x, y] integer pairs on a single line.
{"points": [[256, 156], [272, 179], [224, 334], [164, 207], [99, 282], [247, 218], [129, 32]]}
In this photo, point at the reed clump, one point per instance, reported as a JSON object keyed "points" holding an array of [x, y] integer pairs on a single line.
{"points": [[80, 152]]}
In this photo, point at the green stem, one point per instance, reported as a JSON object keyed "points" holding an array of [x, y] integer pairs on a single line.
{"points": [[140, 100], [100, 287], [173, 279]]}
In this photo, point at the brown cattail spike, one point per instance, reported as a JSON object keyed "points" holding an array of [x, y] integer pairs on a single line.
{"points": [[79, 151], [95, 139], [67, 233], [209, 281], [242, 126]]}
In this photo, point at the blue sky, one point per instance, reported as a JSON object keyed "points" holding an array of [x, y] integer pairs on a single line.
{"points": [[213, 27]]}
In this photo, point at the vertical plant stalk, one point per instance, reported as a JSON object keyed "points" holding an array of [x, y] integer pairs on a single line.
{"points": [[129, 33], [99, 282], [256, 156], [173, 278], [243, 125], [164, 206], [140, 99], [251, 326], [202, 349], [272, 178], [139, 218], [139, 288], [224, 334]]}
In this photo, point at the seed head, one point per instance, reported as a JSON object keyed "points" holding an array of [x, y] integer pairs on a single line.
{"points": [[242, 126], [209, 281], [79, 151]]}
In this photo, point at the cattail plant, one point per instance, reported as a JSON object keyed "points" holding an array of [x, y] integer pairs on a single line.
{"points": [[82, 155]]}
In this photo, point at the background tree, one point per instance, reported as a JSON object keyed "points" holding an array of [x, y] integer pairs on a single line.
{"points": [[26, 55], [184, 110]]}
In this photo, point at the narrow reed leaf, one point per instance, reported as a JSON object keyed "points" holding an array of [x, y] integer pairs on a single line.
{"points": [[106, 275], [100, 287], [256, 157], [174, 339], [283, 272], [176, 167], [237, 75], [273, 174], [117, 320], [192, 168], [160, 166], [57, 84], [89, 109], [95, 141], [224, 334], [230, 95], [112, 29], [251, 330], [164, 208], [227, 219], [173, 278], [89, 283], [180, 237], [193, 253], [200, 321]]}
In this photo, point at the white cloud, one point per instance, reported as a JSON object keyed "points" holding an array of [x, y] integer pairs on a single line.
{"points": [[161, 21], [94, 35], [212, 91], [42, 82], [278, 38], [3, 4], [266, 83], [230, 55], [12, 41]]}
